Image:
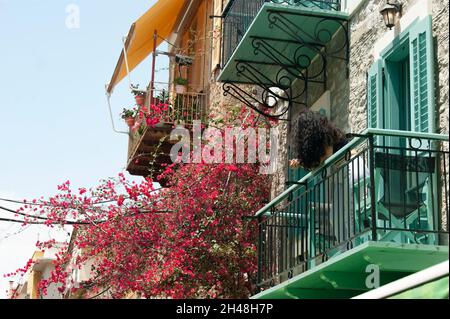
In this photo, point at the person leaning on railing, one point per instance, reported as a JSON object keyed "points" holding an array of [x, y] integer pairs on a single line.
{"points": [[319, 139]]}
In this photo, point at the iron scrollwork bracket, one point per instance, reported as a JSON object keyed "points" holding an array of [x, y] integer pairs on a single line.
{"points": [[290, 69]]}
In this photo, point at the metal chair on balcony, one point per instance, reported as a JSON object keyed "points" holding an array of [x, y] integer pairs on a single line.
{"points": [[405, 198], [405, 207]]}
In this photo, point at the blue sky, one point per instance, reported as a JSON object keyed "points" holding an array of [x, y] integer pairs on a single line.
{"points": [[54, 121]]}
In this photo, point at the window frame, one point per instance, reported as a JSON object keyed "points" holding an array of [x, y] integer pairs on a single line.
{"points": [[401, 39]]}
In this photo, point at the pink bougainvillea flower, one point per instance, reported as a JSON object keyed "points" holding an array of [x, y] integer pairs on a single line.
{"points": [[120, 200], [187, 240]]}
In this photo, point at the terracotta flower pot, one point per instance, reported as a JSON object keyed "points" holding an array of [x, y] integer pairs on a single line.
{"points": [[140, 100], [130, 121], [180, 89]]}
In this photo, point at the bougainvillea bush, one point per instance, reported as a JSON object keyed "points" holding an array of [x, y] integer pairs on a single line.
{"points": [[194, 239]]}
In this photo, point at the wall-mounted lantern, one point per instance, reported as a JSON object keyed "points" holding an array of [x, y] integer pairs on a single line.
{"points": [[391, 13]]}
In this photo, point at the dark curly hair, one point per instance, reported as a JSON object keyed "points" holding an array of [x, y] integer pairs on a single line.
{"points": [[315, 134]]}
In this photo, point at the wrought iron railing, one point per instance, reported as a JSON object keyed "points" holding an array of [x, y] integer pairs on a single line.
{"points": [[166, 109], [239, 14], [382, 186], [171, 107]]}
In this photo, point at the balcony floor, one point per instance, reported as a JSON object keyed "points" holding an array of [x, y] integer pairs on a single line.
{"points": [[144, 147], [344, 276]]}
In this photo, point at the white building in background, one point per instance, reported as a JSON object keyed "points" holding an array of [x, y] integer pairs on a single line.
{"points": [[29, 286]]}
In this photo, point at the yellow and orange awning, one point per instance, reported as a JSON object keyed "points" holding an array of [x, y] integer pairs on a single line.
{"points": [[139, 44]]}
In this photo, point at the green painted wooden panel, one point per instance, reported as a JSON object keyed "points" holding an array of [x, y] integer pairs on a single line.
{"points": [[297, 200], [422, 76], [375, 95]]}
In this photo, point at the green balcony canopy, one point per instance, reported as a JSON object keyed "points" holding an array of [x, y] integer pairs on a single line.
{"points": [[285, 36]]}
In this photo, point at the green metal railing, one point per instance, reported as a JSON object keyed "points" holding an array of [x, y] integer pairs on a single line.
{"points": [[384, 185]]}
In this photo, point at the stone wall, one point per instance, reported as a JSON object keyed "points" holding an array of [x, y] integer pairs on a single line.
{"points": [[441, 30]]}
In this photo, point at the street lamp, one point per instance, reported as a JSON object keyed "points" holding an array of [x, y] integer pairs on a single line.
{"points": [[390, 13]]}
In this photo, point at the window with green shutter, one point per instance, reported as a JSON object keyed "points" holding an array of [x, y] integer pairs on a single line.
{"points": [[400, 85]]}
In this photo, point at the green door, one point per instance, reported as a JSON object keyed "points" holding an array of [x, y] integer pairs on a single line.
{"points": [[401, 97]]}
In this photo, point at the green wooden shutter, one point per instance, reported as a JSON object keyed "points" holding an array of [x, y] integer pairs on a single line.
{"points": [[375, 96], [422, 76]]}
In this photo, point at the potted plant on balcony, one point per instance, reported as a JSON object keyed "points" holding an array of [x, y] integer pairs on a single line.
{"points": [[180, 85], [128, 115], [139, 96]]}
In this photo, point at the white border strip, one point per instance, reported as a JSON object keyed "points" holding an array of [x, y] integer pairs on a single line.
{"points": [[418, 279]]}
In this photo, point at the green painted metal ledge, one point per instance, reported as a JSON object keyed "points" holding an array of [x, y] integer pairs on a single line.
{"points": [[345, 275]]}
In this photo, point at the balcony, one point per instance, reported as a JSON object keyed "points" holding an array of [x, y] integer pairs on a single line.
{"points": [[380, 201], [149, 147], [239, 15], [273, 44]]}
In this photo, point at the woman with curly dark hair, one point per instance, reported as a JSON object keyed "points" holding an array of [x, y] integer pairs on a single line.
{"points": [[318, 140]]}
